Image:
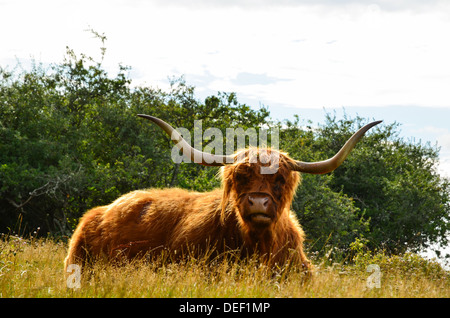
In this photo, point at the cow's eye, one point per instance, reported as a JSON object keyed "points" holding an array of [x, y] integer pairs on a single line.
{"points": [[242, 174], [279, 180], [241, 178]]}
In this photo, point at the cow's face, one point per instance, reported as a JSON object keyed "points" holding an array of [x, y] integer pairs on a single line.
{"points": [[260, 197]]}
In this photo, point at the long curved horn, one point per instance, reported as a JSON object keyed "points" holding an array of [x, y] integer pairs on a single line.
{"points": [[195, 155], [329, 165]]}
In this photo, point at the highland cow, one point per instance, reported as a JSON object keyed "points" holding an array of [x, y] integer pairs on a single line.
{"points": [[250, 213]]}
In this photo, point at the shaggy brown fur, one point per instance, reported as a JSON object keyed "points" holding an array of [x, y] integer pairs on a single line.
{"points": [[150, 221]]}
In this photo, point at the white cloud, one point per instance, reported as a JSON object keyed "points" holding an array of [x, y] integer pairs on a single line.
{"points": [[441, 134], [388, 5], [359, 54], [444, 167], [364, 57], [442, 137]]}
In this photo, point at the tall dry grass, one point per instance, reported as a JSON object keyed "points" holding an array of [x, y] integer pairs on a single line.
{"points": [[34, 268]]}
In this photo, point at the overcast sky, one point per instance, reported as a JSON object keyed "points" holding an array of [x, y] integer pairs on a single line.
{"points": [[380, 59]]}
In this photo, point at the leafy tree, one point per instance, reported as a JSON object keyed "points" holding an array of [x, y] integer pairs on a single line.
{"points": [[71, 140], [394, 184], [329, 217]]}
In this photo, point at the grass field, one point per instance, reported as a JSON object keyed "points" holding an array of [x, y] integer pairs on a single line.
{"points": [[34, 268]]}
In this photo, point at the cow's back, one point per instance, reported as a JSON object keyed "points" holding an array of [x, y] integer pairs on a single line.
{"points": [[141, 221]]}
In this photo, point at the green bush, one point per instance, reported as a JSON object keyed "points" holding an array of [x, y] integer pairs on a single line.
{"points": [[405, 265]]}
